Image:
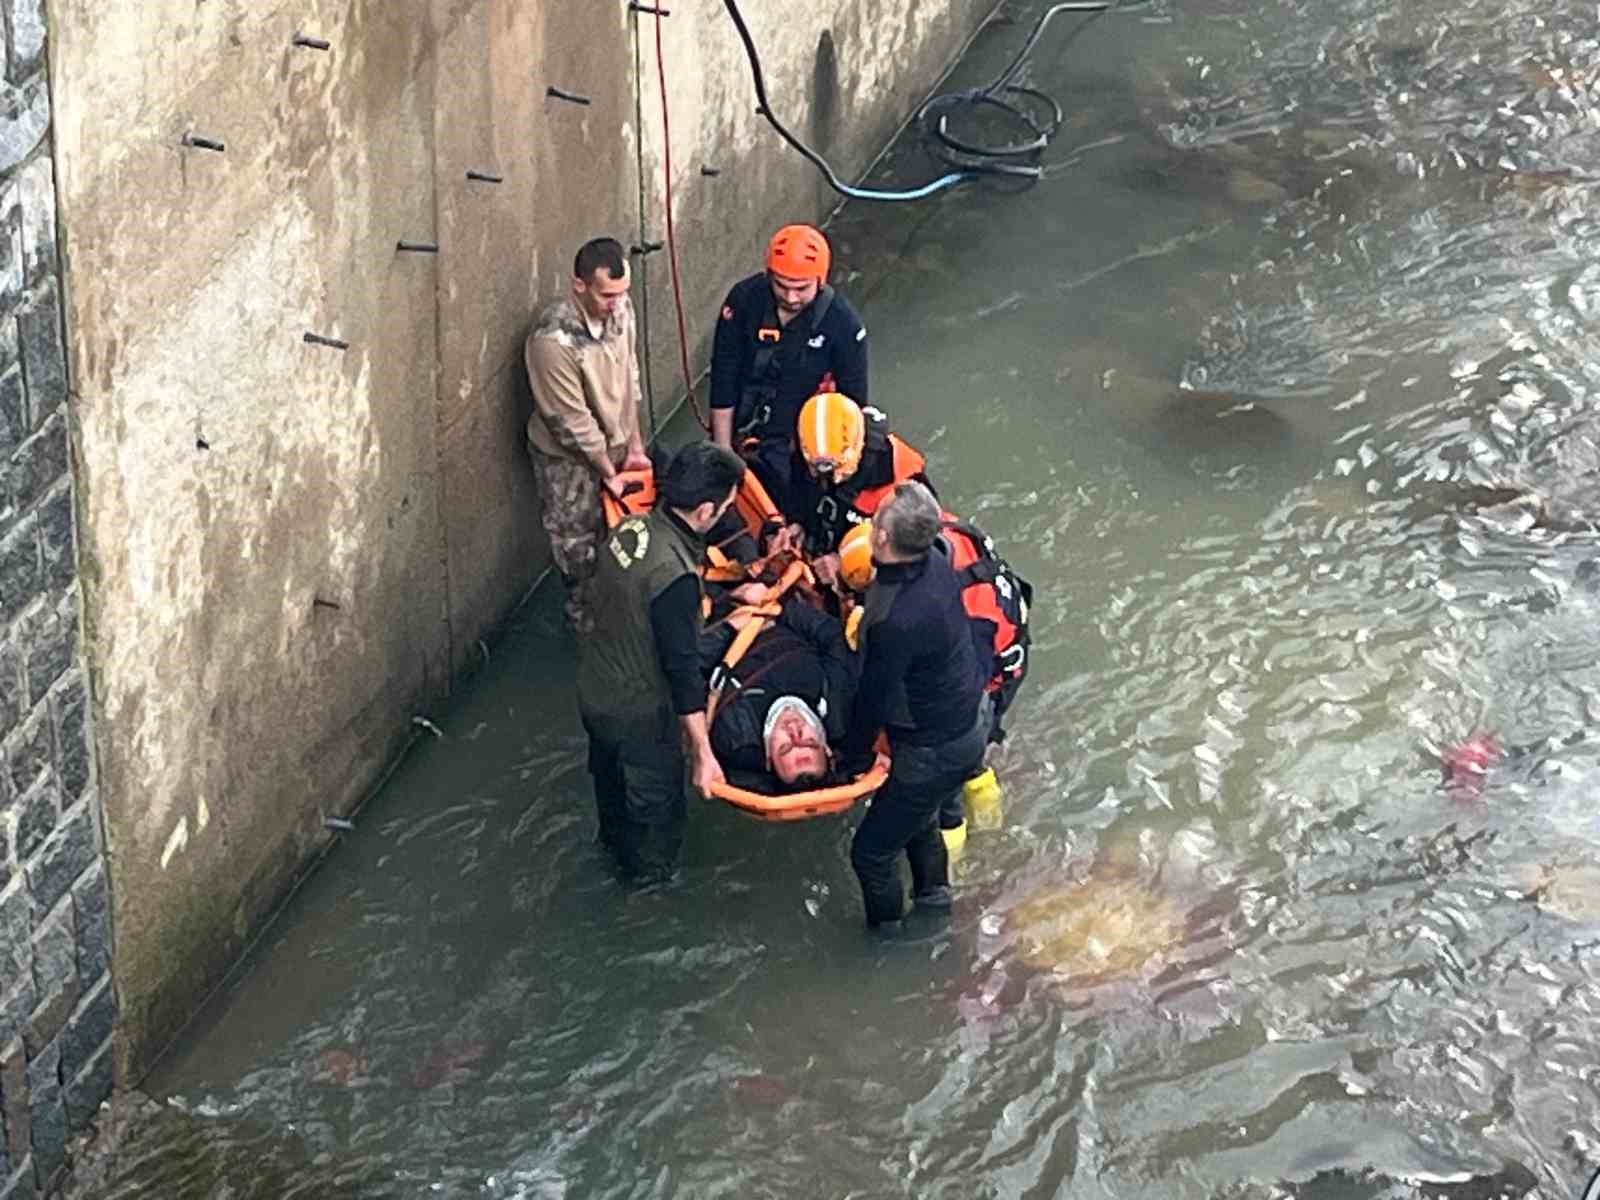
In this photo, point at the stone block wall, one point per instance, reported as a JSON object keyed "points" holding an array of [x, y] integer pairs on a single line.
{"points": [[57, 1006]]}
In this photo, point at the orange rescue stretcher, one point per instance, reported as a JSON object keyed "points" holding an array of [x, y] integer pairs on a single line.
{"points": [[758, 514]]}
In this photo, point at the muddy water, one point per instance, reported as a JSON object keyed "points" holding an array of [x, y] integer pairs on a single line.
{"points": [[1280, 389]]}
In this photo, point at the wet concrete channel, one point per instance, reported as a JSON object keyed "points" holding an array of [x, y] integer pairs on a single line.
{"points": [[1303, 283]]}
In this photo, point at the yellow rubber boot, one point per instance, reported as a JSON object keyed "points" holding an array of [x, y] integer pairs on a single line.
{"points": [[955, 840], [980, 795]]}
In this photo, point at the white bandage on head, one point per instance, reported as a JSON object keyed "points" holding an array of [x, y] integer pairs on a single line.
{"points": [[793, 704]]}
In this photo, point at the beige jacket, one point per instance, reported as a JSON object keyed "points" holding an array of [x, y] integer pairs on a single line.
{"points": [[586, 390]]}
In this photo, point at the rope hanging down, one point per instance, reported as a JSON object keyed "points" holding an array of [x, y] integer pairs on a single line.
{"points": [[644, 272], [1033, 112], [672, 241]]}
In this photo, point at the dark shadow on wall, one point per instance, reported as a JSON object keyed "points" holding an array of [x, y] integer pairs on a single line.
{"points": [[825, 109]]}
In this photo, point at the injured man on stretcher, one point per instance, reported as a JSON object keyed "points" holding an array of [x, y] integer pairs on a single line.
{"points": [[785, 701]]}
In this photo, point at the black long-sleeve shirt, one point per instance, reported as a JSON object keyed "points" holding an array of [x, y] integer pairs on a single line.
{"points": [[675, 620], [808, 350], [921, 679], [802, 653]]}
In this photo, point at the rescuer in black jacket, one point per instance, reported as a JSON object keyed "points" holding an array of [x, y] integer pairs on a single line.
{"points": [[922, 684], [784, 335], [785, 703]]}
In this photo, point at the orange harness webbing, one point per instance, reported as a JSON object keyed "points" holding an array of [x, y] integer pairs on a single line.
{"points": [[757, 617]]}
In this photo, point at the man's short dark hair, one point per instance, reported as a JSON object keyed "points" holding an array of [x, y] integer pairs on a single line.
{"points": [[700, 472], [596, 253], [800, 783], [911, 519]]}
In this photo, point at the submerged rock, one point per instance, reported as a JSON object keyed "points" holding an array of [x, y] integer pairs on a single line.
{"points": [[761, 1090], [1101, 926], [341, 1066], [1115, 939], [1567, 889], [448, 1062]]}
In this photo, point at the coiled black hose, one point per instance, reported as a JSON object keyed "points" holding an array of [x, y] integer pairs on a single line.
{"points": [[1034, 113]]}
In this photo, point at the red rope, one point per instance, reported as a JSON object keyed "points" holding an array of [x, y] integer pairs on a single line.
{"points": [[672, 242]]}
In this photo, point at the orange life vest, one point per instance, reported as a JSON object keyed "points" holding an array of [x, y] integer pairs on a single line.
{"points": [[905, 462], [997, 601]]}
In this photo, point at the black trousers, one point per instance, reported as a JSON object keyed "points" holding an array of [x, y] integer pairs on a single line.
{"points": [[772, 460], [904, 819], [952, 813], [637, 766]]}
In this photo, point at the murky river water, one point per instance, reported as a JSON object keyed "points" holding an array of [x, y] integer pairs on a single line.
{"points": [[1310, 289]]}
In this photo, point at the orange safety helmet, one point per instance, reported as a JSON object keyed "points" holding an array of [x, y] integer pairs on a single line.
{"points": [[832, 434], [855, 557], [799, 252]]}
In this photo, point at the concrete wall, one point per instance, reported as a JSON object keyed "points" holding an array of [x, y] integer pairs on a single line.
{"points": [[288, 549], [57, 1003]]}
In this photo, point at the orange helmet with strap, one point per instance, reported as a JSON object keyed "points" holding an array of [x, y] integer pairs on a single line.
{"points": [[855, 557], [799, 252], [832, 433]]}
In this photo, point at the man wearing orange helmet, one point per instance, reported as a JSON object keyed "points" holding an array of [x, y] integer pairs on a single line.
{"points": [[846, 463], [784, 335]]}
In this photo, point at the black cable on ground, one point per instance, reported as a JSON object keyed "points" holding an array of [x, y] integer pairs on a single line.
{"points": [[1035, 115]]}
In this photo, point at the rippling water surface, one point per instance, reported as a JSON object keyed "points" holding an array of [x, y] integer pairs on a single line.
{"points": [[1280, 388]]}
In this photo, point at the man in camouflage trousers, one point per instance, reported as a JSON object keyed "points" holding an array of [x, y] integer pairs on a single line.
{"points": [[585, 423]]}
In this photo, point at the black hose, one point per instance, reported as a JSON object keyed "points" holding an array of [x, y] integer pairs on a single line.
{"points": [[1016, 159], [1033, 112]]}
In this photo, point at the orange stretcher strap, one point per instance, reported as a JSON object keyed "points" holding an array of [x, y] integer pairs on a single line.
{"points": [[638, 496], [720, 568], [751, 501], [816, 802], [759, 616], [754, 505]]}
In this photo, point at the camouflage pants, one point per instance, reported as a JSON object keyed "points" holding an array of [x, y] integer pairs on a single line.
{"points": [[569, 497]]}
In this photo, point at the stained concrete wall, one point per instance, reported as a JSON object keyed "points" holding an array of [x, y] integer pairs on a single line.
{"points": [[289, 549]]}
